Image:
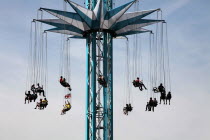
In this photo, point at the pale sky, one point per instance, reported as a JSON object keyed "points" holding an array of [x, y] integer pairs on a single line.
{"points": [[188, 117]]}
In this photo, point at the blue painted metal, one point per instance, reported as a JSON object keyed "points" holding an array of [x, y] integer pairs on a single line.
{"points": [[93, 85], [132, 32], [105, 99], [94, 2], [78, 37], [87, 88], [89, 22], [97, 10], [110, 81], [84, 16], [87, 82], [115, 11], [111, 85], [55, 22], [124, 23], [74, 16], [133, 22]]}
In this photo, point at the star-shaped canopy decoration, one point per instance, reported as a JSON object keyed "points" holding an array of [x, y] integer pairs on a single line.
{"points": [[84, 21]]}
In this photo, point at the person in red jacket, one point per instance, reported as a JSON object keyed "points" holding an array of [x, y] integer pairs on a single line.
{"points": [[64, 83], [139, 83]]}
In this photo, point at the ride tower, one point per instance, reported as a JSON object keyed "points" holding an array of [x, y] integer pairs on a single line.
{"points": [[99, 24]]}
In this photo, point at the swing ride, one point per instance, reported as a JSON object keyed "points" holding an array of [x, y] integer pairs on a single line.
{"points": [[99, 24]]}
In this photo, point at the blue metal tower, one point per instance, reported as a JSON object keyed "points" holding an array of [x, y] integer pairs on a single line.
{"points": [[98, 23]]}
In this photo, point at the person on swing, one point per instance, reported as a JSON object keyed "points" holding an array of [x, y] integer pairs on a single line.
{"points": [[102, 81], [139, 83], [64, 83], [148, 107], [66, 108], [168, 97], [161, 88], [33, 89], [40, 89]]}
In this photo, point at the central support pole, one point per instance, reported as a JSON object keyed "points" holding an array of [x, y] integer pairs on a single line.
{"points": [[93, 85], [105, 89], [99, 105], [110, 87]]}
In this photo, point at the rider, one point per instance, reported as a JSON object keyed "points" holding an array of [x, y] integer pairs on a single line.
{"points": [[40, 89], [148, 107], [28, 94], [161, 88], [168, 97], [139, 83], [44, 103], [33, 88], [151, 104], [38, 104], [155, 102], [136, 82], [101, 80], [163, 96], [61, 79], [67, 96], [64, 83], [125, 111], [67, 107], [130, 108]]}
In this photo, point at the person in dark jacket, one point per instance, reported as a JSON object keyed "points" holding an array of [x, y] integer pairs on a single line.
{"points": [[168, 97]]}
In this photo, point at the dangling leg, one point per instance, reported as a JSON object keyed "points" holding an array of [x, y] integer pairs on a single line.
{"points": [[43, 93], [40, 106], [33, 91], [149, 108], [146, 107], [126, 112], [140, 88], [134, 83], [144, 86], [25, 99], [61, 112], [34, 99], [169, 101], [160, 100], [36, 105]]}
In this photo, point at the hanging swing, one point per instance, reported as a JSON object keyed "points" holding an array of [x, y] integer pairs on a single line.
{"points": [[65, 73], [128, 107], [37, 65]]}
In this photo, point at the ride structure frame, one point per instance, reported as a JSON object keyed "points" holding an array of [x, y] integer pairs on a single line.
{"points": [[98, 23]]}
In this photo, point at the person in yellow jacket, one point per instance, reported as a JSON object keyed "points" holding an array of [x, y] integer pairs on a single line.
{"points": [[67, 107], [44, 103]]}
